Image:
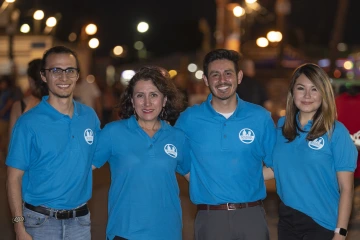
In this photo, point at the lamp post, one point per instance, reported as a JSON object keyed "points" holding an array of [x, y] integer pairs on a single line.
{"points": [[139, 45], [38, 16]]}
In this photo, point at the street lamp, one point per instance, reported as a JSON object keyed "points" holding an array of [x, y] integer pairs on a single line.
{"points": [[274, 36], [142, 27], [91, 29], [94, 43], [38, 16], [262, 42], [25, 28]]}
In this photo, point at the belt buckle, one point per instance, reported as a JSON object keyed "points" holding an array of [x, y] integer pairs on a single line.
{"points": [[229, 208], [62, 214]]}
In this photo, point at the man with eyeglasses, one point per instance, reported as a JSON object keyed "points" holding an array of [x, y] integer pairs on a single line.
{"points": [[49, 162]]}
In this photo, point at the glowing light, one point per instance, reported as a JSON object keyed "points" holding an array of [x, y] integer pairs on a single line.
{"points": [[90, 78], [199, 74], [91, 29], [250, 1], [262, 42], [72, 37], [118, 50], [51, 22], [25, 28], [94, 43], [172, 73], [142, 27], [238, 11], [38, 15], [138, 45], [192, 67], [126, 76], [274, 36], [10, 1], [348, 65], [342, 47], [337, 73]]}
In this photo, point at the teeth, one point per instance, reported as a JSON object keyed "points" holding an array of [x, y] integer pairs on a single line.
{"points": [[223, 88], [64, 85]]}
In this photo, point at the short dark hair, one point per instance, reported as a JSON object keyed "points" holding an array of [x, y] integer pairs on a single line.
{"points": [[161, 79], [33, 72], [59, 50], [218, 54]]}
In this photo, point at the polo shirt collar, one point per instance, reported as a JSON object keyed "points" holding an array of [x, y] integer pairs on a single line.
{"points": [[55, 114], [133, 124], [239, 107]]}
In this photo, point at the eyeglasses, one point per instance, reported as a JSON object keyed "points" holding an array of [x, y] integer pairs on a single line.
{"points": [[58, 72]]}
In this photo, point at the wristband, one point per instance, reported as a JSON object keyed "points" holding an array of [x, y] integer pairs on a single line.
{"points": [[341, 231], [18, 219]]}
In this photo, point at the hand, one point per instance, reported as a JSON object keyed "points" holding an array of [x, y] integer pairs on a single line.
{"points": [[338, 237], [23, 236], [21, 233]]}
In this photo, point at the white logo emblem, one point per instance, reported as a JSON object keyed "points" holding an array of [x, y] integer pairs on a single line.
{"points": [[170, 150], [356, 138], [247, 135], [317, 144], [89, 136]]}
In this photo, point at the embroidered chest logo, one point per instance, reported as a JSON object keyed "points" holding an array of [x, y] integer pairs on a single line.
{"points": [[246, 135], [170, 150], [89, 136], [317, 144]]}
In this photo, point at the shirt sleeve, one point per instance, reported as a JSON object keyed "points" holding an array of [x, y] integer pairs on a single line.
{"points": [[183, 166], [103, 147], [269, 139], [21, 147], [344, 149]]}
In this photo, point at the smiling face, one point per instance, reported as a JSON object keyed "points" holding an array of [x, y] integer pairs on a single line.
{"points": [[147, 101], [307, 98], [222, 79], [63, 86]]}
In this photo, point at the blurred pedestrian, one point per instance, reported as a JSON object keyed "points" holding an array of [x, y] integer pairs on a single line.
{"points": [[230, 140], [314, 161], [348, 109], [6, 102], [144, 153], [37, 89], [250, 89], [49, 162]]}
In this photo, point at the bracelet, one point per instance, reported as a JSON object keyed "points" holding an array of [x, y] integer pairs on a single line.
{"points": [[341, 231], [18, 219]]}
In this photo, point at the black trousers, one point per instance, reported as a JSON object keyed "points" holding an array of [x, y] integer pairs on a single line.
{"points": [[295, 225]]}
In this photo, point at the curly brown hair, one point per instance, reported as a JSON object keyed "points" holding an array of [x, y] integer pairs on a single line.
{"points": [[161, 79]]}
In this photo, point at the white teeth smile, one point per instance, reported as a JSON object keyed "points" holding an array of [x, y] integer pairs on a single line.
{"points": [[223, 88], [64, 85]]}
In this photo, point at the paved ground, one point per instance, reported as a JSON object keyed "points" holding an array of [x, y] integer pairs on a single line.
{"points": [[98, 205]]}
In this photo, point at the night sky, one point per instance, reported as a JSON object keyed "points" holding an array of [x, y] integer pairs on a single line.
{"points": [[174, 24]]}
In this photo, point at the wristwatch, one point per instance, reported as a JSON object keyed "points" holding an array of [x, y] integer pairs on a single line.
{"points": [[341, 231], [18, 219]]}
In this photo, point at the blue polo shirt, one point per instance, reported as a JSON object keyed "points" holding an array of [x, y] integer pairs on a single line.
{"points": [[144, 194], [227, 154], [55, 152], [305, 171]]}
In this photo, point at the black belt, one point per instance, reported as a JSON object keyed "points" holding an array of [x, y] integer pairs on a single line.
{"points": [[59, 214], [228, 206]]}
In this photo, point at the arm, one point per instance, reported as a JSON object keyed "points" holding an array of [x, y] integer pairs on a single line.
{"points": [[187, 177], [346, 185], [268, 173], [13, 186], [14, 115]]}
